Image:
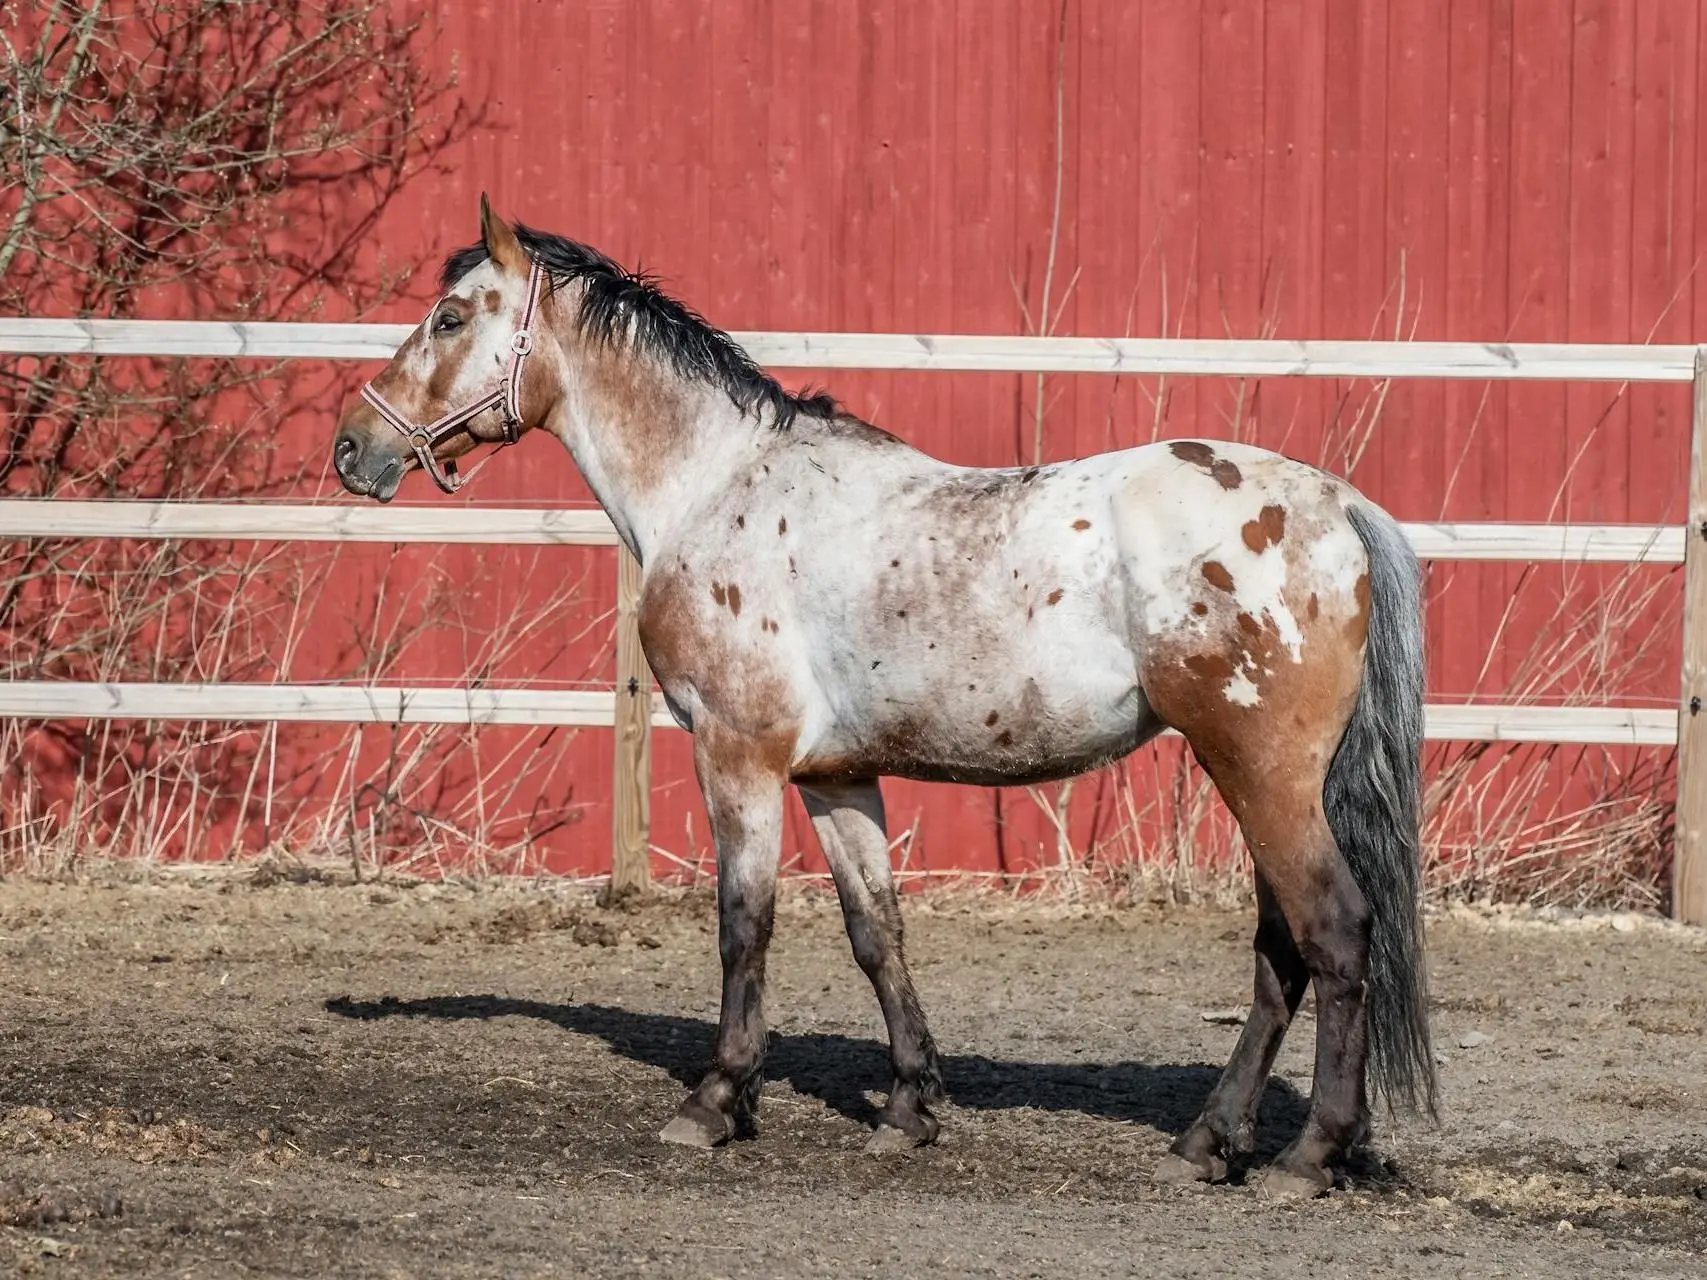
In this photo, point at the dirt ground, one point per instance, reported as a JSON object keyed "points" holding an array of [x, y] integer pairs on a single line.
{"points": [[219, 1077]]}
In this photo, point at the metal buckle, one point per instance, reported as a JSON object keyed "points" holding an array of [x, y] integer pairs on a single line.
{"points": [[522, 342]]}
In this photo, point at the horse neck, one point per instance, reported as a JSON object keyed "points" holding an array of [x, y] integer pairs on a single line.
{"points": [[649, 443]]}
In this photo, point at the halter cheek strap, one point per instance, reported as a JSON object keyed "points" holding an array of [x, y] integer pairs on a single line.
{"points": [[505, 397]]}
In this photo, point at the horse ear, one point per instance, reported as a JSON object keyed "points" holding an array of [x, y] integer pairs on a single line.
{"points": [[500, 241]]}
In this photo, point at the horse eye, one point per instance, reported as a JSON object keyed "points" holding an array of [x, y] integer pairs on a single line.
{"points": [[448, 322]]}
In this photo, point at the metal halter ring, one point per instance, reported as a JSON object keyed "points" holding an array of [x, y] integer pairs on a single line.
{"points": [[522, 342]]}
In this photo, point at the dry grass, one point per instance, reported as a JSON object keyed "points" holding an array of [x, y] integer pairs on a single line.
{"points": [[421, 796]]}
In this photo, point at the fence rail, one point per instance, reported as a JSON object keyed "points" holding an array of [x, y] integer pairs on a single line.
{"points": [[1685, 726], [588, 526], [1210, 357], [600, 708]]}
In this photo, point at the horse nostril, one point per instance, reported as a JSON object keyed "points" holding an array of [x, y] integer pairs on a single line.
{"points": [[344, 453]]}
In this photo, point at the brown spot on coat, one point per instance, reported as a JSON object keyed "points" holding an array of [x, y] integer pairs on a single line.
{"points": [[1200, 608], [1212, 668], [992, 718], [1198, 454], [1216, 575], [741, 522], [1249, 625], [1313, 608], [1267, 529], [719, 594], [1055, 596], [1193, 451], [1081, 525], [734, 599], [781, 525], [1226, 474], [1357, 626], [1004, 739]]}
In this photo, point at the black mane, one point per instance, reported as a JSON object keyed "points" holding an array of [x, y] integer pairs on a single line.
{"points": [[614, 298]]}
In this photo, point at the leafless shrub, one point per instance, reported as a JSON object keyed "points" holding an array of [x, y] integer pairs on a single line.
{"points": [[169, 157]]}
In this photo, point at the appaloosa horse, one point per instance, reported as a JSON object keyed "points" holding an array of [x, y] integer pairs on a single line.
{"points": [[825, 605]]}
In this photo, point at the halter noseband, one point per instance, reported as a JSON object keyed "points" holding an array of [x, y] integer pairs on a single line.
{"points": [[506, 397]]}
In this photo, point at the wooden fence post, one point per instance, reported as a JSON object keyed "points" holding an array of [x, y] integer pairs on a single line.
{"points": [[1689, 857], [631, 780]]}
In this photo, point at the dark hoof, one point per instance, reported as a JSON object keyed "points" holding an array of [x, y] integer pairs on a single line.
{"points": [[888, 1140], [1177, 1171], [1280, 1184], [696, 1127]]}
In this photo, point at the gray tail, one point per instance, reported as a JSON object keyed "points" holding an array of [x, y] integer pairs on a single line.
{"points": [[1373, 803]]}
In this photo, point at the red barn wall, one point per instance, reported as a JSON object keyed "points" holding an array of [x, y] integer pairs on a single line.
{"points": [[1471, 170]]}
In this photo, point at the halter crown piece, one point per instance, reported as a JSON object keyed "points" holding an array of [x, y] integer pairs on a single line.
{"points": [[505, 397]]}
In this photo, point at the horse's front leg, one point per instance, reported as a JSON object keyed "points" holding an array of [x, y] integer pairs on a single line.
{"points": [[743, 783]]}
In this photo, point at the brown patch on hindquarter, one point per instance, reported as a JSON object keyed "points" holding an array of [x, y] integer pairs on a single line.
{"points": [[1357, 626], [1268, 760], [1267, 529], [1193, 451], [1081, 525], [1225, 473], [1216, 575], [1211, 668]]}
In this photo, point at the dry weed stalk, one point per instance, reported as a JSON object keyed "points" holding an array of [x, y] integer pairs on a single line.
{"points": [[1538, 823]]}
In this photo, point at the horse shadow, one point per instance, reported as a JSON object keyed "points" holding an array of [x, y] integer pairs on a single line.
{"points": [[839, 1070]]}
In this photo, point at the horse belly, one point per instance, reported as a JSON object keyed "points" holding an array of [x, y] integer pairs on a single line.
{"points": [[1052, 709]]}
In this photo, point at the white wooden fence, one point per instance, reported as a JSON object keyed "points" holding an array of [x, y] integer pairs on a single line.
{"points": [[1683, 726]]}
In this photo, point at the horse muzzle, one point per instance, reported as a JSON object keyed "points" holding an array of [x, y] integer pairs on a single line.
{"points": [[368, 463]]}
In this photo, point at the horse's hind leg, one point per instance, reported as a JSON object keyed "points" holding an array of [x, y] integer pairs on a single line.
{"points": [[1324, 912], [850, 826], [1269, 744], [1228, 1123]]}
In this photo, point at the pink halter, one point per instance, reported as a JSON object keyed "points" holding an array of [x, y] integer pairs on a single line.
{"points": [[506, 397]]}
